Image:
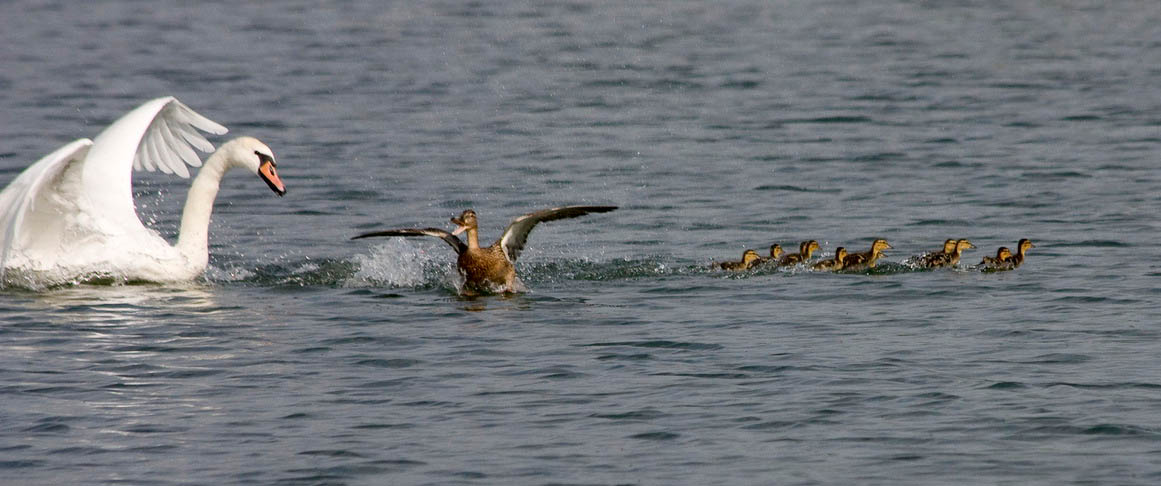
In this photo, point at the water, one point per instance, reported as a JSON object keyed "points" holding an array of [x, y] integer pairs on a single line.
{"points": [[305, 358]]}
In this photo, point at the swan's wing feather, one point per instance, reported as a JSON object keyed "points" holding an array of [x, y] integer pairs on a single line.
{"points": [[516, 235], [16, 201], [159, 134], [174, 141], [451, 239]]}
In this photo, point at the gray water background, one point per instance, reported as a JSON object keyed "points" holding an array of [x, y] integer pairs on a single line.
{"points": [[304, 358]]}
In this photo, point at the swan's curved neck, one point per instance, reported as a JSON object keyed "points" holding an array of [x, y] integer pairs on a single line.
{"points": [[193, 239]]}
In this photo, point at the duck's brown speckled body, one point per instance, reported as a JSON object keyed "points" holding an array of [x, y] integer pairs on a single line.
{"points": [[492, 269], [805, 250], [750, 258], [866, 259], [834, 264]]}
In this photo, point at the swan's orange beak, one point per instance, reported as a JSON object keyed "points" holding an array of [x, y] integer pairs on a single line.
{"points": [[267, 172]]}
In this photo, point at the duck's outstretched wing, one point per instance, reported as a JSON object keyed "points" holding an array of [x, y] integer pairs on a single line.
{"points": [[18, 200], [517, 232], [451, 239], [161, 134]]}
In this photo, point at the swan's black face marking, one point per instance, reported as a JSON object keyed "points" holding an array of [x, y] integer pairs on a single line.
{"points": [[266, 170], [265, 158]]}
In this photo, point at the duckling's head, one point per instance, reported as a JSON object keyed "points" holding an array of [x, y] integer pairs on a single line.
{"points": [[880, 245], [465, 221], [1003, 253], [750, 256], [1024, 245], [775, 251], [840, 253], [949, 246], [962, 245], [811, 247]]}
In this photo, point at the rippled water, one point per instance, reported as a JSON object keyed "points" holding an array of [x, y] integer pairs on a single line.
{"points": [[305, 358]]}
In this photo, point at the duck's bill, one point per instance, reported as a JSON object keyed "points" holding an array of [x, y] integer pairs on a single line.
{"points": [[269, 175], [460, 227]]}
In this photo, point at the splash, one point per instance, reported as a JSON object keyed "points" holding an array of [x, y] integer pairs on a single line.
{"points": [[397, 263]]}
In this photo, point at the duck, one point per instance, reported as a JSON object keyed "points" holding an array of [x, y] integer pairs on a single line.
{"points": [[1000, 262], [805, 250], [833, 264], [491, 269], [1021, 251], [1002, 254], [950, 259], [750, 258], [931, 259], [70, 217], [775, 253], [867, 259]]}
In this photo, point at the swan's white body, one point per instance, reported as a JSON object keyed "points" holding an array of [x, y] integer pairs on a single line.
{"points": [[71, 214]]}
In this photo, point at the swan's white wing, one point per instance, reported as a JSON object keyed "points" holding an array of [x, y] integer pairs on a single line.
{"points": [[517, 233], [19, 197], [160, 134]]}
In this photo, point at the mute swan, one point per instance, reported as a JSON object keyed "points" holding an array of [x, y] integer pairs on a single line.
{"points": [[491, 269], [71, 215]]}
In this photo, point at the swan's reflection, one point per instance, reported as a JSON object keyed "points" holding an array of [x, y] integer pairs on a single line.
{"points": [[125, 304]]}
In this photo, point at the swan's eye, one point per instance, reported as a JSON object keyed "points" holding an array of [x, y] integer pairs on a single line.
{"points": [[264, 158]]}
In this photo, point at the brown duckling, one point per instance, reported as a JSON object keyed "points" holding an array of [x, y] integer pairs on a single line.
{"points": [[950, 259], [749, 259], [1021, 251], [867, 259], [492, 269], [1003, 254], [833, 264], [805, 250], [775, 253], [930, 259]]}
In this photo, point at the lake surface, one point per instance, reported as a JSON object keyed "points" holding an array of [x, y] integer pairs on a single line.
{"points": [[306, 358]]}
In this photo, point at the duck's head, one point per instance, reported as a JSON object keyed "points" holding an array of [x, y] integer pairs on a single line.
{"points": [[1003, 253], [776, 251], [840, 254], [962, 245], [465, 221], [255, 156], [1024, 245], [811, 247], [750, 256], [879, 245], [949, 246]]}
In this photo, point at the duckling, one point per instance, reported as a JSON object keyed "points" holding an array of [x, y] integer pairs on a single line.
{"points": [[775, 253], [950, 259], [833, 264], [1002, 254], [1021, 251], [930, 259], [491, 269], [867, 259], [749, 259], [805, 250]]}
